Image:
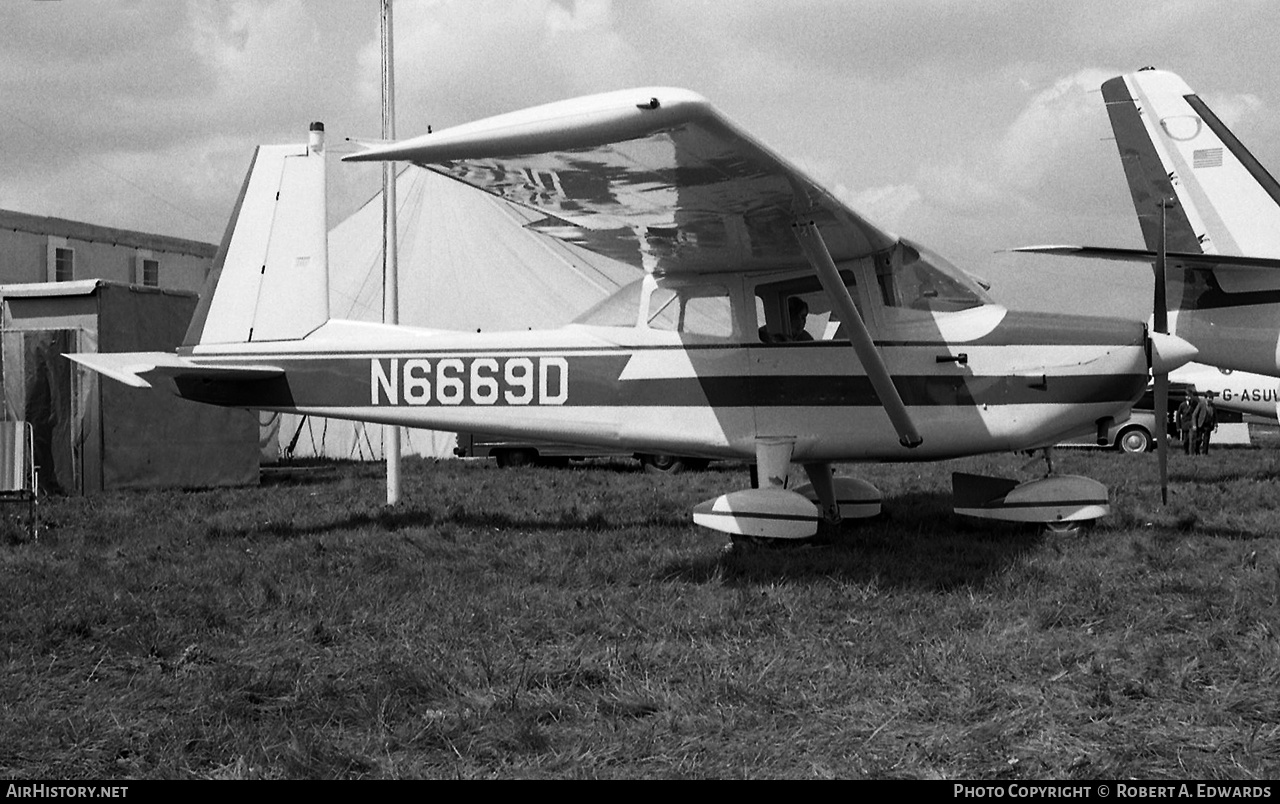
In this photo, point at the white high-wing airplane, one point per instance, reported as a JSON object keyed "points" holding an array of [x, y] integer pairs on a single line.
{"points": [[1202, 197], [1239, 391], [901, 357]]}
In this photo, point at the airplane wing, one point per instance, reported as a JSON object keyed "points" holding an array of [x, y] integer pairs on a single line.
{"points": [[653, 177], [1176, 259], [129, 368], [657, 178]]}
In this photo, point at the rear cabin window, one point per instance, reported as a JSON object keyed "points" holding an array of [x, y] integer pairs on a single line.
{"points": [[705, 310], [692, 310]]}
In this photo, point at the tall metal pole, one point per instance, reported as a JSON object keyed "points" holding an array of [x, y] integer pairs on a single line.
{"points": [[390, 269]]}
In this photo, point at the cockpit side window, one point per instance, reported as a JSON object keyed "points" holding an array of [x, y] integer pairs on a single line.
{"points": [[798, 310]]}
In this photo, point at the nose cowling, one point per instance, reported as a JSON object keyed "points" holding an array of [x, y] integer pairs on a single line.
{"points": [[1169, 352]]}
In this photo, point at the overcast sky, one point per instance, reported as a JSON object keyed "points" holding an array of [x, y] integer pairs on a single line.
{"points": [[969, 126]]}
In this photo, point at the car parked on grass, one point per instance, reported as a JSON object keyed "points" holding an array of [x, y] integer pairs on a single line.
{"points": [[1137, 434], [522, 452]]}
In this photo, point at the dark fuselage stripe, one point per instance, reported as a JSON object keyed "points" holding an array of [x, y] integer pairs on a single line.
{"points": [[596, 380]]}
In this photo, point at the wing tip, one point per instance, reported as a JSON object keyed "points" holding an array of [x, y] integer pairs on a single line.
{"points": [[575, 122], [1056, 248], [127, 373]]}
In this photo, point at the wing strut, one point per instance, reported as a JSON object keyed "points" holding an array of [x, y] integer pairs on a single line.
{"points": [[815, 249]]}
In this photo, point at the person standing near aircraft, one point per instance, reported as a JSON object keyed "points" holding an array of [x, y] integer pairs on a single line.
{"points": [[1206, 419], [1185, 422]]}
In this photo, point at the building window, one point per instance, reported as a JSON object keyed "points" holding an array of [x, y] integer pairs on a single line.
{"points": [[151, 273], [63, 264]]}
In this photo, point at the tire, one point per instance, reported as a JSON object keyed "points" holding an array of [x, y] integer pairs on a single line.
{"points": [[1134, 440], [514, 457], [663, 464], [1066, 528]]}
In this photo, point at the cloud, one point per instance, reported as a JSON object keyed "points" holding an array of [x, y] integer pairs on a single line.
{"points": [[582, 15], [460, 61], [1235, 110], [886, 206], [1059, 127], [144, 115], [120, 188], [1054, 162], [967, 121]]}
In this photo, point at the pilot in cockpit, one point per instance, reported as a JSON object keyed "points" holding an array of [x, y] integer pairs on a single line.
{"points": [[797, 317]]}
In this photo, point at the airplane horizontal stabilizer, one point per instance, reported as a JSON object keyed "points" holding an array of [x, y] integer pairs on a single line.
{"points": [[1199, 262], [129, 368]]}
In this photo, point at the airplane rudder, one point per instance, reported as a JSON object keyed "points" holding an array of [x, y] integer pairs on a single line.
{"points": [[294, 290], [269, 279]]}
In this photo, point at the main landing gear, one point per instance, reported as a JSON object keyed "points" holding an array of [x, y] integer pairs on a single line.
{"points": [[773, 511], [1063, 503]]}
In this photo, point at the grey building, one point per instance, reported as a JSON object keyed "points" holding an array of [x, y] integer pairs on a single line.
{"points": [[36, 248], [66, 287]]}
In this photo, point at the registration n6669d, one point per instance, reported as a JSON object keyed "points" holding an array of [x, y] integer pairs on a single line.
{"points": [[469, 381]]}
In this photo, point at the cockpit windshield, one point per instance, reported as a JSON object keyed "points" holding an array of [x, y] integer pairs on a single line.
{"points": [[927, 281]]}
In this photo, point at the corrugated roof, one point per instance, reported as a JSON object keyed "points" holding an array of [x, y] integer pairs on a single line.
{"points": [[79, 287]]}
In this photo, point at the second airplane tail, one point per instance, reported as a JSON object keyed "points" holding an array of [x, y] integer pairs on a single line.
{"points": [[1172, 145], [1200, 194]]}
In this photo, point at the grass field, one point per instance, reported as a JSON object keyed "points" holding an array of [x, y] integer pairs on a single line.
{"points": [[574, 623]]}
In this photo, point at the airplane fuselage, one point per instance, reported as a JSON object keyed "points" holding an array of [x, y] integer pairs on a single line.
{"points": [[1244, 337], [768, 321], [1240, 391], [998, 381]]}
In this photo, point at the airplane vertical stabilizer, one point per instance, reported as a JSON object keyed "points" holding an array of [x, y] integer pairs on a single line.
{"points": [[1173, 145], [270, 278]]}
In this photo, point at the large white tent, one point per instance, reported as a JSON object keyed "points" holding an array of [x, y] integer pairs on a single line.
{"points": [[466, 262]]}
